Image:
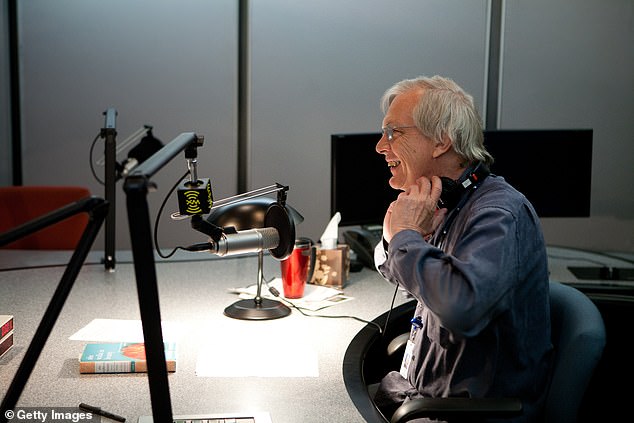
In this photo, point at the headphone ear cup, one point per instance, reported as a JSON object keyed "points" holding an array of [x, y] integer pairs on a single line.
{"points": [[452, 190], [450, 193]]}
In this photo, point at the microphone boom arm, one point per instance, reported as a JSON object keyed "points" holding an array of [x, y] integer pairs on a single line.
{"points": [[277, 187], [213, 231]]}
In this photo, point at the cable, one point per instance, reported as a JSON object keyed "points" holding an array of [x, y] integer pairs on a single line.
{"points": [[303, 310], [92, 166], [389, 313], [158, 216]]}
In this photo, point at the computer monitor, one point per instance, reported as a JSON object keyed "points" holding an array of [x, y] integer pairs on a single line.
{"points": [[360, 191], [553, 168]]}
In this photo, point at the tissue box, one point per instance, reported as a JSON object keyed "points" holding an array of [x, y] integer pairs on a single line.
{"points": [[332, 267]]}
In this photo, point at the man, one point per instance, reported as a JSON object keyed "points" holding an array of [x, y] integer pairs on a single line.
{"points": [[474, 258]]}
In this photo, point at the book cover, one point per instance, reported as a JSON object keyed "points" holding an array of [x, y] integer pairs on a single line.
{"points": [[121, 357], [6, 324], [6, 342]]}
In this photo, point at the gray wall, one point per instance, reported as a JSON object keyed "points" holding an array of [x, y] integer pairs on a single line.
{"points": [[570, 64], [158, 62], [320, 68], [6, 168], [317, 68]]}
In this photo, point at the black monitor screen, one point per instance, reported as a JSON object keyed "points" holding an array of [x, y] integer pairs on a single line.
{"points": [[359, 180], [553, 168]]}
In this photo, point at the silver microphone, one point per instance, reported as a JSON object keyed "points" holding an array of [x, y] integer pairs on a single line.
{"points": [[248, 241]]}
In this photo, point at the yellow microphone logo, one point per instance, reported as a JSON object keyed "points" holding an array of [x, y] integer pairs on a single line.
{"points": [[192, 202]]}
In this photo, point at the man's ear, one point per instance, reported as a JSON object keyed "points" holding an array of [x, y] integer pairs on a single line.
{"points": [[442, 146]]}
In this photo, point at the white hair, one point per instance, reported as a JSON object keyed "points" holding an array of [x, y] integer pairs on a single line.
{"points": [[444, 109]]}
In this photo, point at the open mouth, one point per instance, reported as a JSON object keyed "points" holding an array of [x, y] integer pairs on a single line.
{"points": [[393, 163]]}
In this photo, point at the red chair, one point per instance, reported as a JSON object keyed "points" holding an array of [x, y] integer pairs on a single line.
{"points": [[21, 204]]}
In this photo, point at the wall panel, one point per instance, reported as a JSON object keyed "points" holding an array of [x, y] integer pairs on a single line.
{"points": [[168, 64], [320, 68], [570, 64]]}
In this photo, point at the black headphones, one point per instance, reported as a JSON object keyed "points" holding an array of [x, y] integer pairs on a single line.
{"points": [[452, 190]]}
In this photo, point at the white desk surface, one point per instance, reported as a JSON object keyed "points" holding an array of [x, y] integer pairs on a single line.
{"points": [[561, 259], [193, 294]]}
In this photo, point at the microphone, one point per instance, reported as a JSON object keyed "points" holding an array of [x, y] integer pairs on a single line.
{"points": [[277, 235], [248, 241]]}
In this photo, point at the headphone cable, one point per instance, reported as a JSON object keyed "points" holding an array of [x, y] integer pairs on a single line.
{"points": [[303, 310]]}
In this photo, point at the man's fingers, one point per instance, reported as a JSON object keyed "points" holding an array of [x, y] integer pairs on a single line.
{"points": [[436, 188]]}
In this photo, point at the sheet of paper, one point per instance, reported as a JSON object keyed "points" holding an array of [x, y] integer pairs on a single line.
{"points": [[118, 330], [315, 297], [250, 352]]}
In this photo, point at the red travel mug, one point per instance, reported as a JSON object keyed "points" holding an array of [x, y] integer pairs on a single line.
{"points": [[296, 269]]}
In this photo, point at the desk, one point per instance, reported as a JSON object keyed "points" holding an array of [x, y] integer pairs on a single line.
{"points": [[194, 294], [562, 259]]}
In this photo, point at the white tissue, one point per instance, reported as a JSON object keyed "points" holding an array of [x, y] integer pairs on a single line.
{"points": [[330, 238]]}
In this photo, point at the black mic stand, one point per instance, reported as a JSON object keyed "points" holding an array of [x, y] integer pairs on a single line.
{"points": [[97, 208], [136, 186], [113, 172], [109, 132], [258, 308]]}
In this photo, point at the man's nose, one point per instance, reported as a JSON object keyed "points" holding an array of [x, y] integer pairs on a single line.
{"points": [[382, 145]]}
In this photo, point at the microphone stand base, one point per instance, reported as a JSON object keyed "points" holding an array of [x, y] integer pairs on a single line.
{"points": [[251, 310]]}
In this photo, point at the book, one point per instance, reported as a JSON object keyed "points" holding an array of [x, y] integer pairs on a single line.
{"points": [[6, 324], [6, 333], [6, 343], [121, 357]]}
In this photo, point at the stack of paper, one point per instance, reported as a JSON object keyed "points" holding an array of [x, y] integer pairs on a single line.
{"points": [[315, 297]]}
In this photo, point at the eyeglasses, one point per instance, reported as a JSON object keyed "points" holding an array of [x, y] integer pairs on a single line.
{"points": [[389, 131]]}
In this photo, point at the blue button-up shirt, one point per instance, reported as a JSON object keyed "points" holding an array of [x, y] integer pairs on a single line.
{"points": [[482, 290]]}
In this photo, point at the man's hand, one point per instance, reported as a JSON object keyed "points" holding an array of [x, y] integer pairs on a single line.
{"points": [[415, 208]]}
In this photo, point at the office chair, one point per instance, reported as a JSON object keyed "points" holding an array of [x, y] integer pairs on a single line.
{"points": [[21, 204], [578, 335]]}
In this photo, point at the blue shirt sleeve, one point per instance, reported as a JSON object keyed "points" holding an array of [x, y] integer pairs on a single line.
{"points": [[465, 287]]}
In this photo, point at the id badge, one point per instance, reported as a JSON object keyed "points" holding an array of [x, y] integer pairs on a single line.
{"points": [[407, 358]]}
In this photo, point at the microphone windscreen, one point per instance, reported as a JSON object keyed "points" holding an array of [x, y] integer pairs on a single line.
{"points": [[277, 217]]}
